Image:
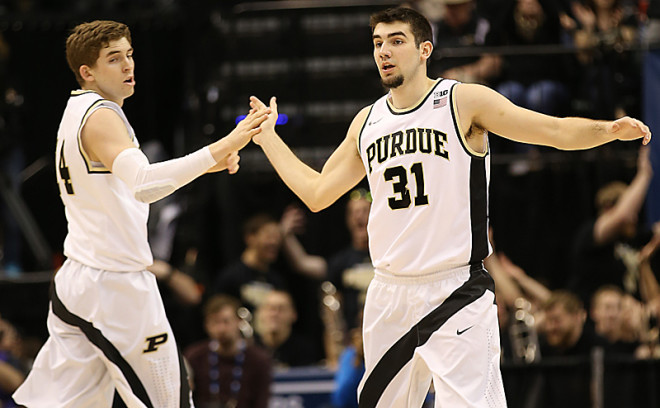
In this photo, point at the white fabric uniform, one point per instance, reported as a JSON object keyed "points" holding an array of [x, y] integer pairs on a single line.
{"points": [[107, 324], [429, 312]]}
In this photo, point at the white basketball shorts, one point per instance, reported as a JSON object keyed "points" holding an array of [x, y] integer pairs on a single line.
{"points": [[109, 341], [442, 328]]}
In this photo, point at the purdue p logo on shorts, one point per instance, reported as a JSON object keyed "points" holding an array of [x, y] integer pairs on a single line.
{"points": [[154, 342]]}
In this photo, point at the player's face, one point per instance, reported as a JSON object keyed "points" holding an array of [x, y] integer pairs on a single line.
{"points": [[113, 73], [395, 53]]}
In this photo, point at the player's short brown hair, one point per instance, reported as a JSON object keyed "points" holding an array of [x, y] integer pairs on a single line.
{"points": [[84, 44], [419, 25]]}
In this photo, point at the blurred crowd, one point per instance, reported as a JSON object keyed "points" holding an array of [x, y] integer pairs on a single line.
{"points": [[277, 305]]}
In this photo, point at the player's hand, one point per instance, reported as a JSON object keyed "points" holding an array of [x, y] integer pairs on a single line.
{"points": [[229, 163], [246, 129], [269, 124], [628, 128]]}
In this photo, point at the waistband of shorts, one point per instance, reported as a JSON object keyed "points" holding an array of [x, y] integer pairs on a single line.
{"points": [[384, 276], [83, 265]]}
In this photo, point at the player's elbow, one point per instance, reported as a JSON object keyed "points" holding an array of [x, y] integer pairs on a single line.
{"points": [[152, 192]]}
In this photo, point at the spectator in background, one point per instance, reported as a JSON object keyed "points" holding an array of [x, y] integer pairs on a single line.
{"points": [[606, 34], [350, 270], [12, 369], [252, 276], [607, 312], [534, 81], [227, 370], [564, 334], [604, 245], [349, 372], [274, 331], [563, 329], [461, 28]]}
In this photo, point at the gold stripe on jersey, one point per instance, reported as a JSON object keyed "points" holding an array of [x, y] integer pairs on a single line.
{"points": [[92, 166], [79, 92], [459, 131]]}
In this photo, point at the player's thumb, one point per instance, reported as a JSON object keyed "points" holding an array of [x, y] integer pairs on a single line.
{"points": [[273, 104]]}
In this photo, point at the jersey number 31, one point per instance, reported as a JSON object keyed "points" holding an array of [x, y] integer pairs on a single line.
{"points": [[402, 198]]}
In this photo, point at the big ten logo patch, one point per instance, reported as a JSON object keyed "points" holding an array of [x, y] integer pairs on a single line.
{"points": [[155, 341]]}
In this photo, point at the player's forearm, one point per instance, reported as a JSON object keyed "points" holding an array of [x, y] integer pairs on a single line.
{"points": [[151, 182], [579, 133], [298, 176]]}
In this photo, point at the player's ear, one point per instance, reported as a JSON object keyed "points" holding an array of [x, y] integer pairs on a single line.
{"points": [[86, 73], [426, 49]]}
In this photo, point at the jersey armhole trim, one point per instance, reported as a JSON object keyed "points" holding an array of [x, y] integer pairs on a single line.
{"points": [[92, 166], [459, 132], [366, 120]]}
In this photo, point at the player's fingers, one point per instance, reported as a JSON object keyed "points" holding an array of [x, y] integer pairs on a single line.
{"points": [[256, 102]]}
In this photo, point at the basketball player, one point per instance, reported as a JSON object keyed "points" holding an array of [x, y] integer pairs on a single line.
{"points": [[429, 312], [107, 325]]}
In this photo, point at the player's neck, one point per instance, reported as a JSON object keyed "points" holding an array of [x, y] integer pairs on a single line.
{"points": [[411, 91], [92, 87]]}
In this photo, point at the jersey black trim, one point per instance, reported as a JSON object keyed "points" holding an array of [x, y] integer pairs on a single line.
{"points": [[184, 388], [478, 209], [366, 120], [402, 351], [411, 110], [109, 350], [459, 133]]}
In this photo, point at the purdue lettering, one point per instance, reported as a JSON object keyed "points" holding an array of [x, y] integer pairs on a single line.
{"points": [[154, 342], [409, 141]]}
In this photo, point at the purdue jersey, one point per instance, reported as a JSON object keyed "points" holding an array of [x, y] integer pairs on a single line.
{"points": [[107, 226], [429, 188]]}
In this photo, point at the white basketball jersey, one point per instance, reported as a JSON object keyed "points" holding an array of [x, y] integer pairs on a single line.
{"points": [[107, 226], [429, 189]]}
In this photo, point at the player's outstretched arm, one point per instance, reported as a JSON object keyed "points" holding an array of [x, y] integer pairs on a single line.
{"points": [[106, 139], [488, 109], [341, 172], [225, 150]]}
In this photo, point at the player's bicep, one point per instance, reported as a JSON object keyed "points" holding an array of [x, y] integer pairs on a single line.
{"points": [[104, 136], [492, 111]]}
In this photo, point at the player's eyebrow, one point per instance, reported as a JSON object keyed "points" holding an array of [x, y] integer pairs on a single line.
{"points": [[394, 34], [118, 51]]}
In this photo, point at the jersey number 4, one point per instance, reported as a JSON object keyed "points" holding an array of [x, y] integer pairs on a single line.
{"points": [[64, 173], [402, 198]]}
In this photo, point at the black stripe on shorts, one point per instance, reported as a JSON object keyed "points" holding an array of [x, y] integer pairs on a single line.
{"points": [[109, 350], [402, 351]]}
